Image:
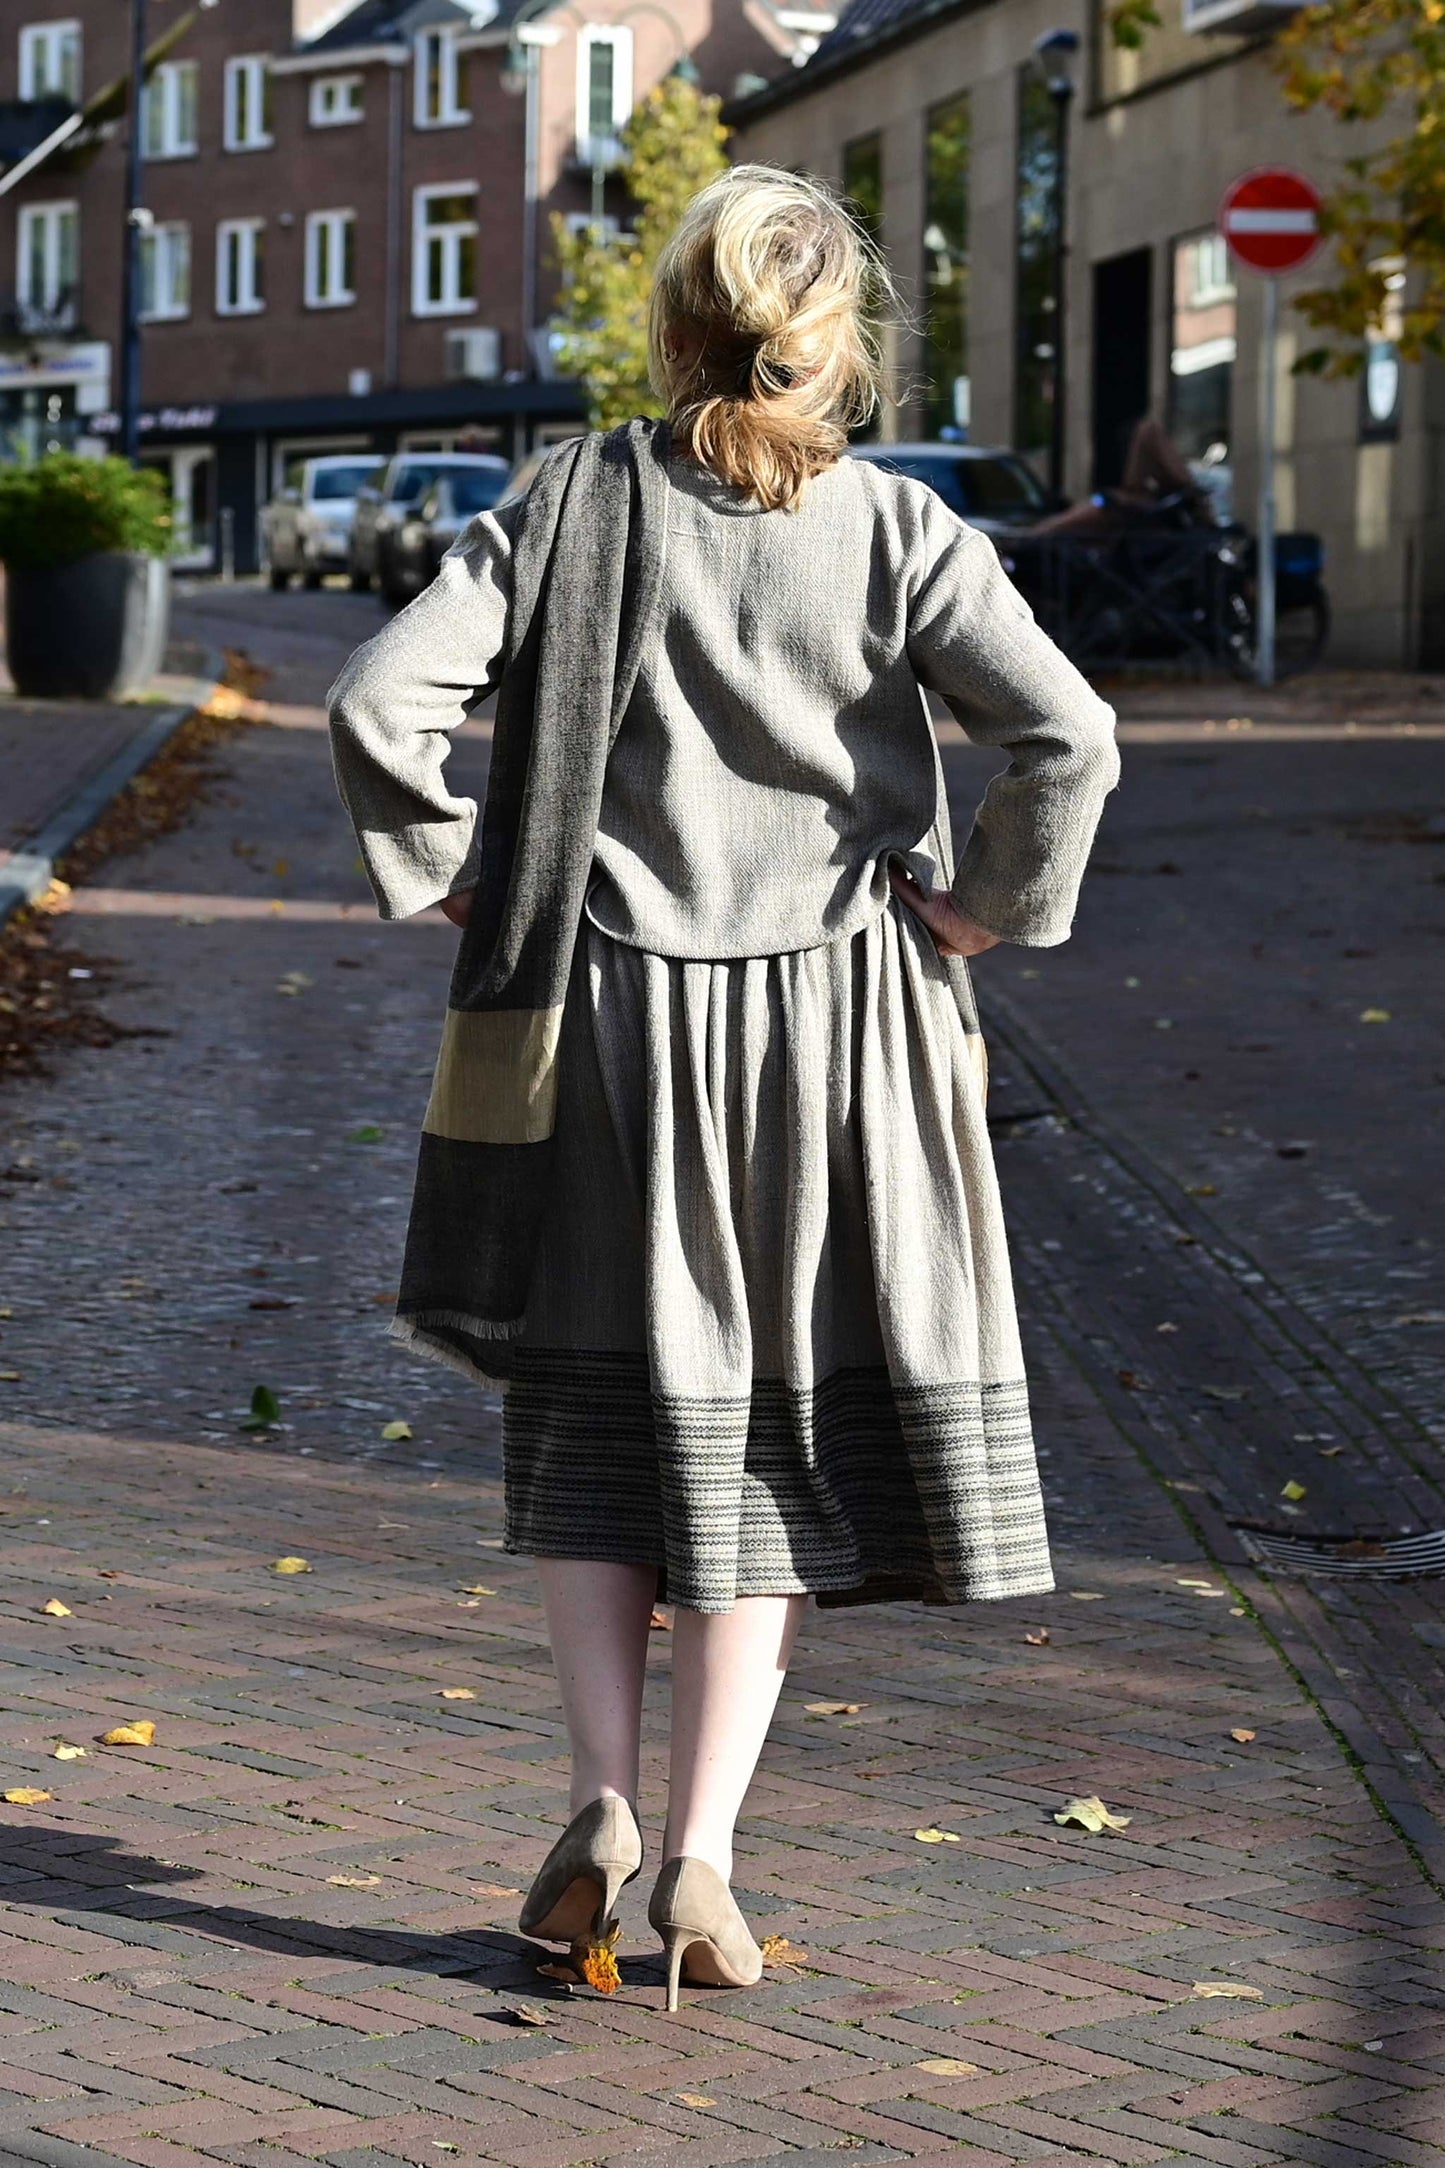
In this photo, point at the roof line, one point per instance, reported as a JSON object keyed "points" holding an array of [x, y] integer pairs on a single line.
{"points": [[827, 68]]}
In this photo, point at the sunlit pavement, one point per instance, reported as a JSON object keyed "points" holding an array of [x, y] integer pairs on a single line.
{"points": [[283, 1931]]}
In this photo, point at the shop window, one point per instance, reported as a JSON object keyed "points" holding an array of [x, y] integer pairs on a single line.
{"points": [[1202, 347], [248, 103], [165, 272], [945, 265], [863, 183], [47, 265], [336, 100], [169, 106], [444, 251], [330, 259], [50, 61], [240, 285], [1036, 244], [437, 92]]}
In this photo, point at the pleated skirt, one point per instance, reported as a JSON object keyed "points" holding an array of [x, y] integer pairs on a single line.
{"points": [[770, 1345]]}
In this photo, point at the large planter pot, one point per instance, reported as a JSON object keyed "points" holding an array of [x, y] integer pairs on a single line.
{"points": [[92, 630]]}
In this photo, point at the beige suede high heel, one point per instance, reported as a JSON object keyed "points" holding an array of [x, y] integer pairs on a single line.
{"points": [[577, 1884], [696, 1915]]}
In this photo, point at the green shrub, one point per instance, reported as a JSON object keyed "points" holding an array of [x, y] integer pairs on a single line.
{"points": [[64, 507]]}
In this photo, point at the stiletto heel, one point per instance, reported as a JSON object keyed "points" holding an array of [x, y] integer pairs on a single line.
{"points": [[695, 1912], [577, 1885]]}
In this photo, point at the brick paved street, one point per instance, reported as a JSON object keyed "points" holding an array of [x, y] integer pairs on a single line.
{"points": [[283, 1931]]}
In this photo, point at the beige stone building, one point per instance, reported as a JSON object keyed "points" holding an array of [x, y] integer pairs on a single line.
{"points": [[932, 115]]}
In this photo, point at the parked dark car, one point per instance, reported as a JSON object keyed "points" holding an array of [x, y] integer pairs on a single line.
{"points": [[411, 550], [405, 480], [995, 490]]}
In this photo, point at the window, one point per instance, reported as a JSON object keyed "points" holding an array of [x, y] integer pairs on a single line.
{"points": [[335, 100], [863, 183], [47, 252], [436, 97], [50, 61], [165, 272], [248, 103], [168, 110], [1202, 345], [330, 259], [604, 91], [239, 254], [945, 264], [444, 251], [1036, 246]]}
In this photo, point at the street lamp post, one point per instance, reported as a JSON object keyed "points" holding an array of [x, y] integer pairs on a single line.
{"points": [[130, 247], [1054, 56]]}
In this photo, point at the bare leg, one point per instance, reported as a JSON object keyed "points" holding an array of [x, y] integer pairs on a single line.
{"points": [[597, 1621], [727, 1671]]}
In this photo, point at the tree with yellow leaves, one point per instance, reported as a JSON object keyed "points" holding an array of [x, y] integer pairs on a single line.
{"points": [[1363, 62], [673, 146]]}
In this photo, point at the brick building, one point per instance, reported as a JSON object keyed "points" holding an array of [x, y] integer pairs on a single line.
{"points": [[933, 116], [347, 237]]}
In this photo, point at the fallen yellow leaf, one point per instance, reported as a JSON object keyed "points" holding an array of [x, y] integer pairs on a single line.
{"points": [[1242, 1735], [835, 1708], [1091, 1814], [457, 1693], [56, 1609], [139, 1733], [290, 1565], [26, 1795], [66, 1752], [1293, 1490], [948, 2066], [392, 1432], [936, 1836], [1086, 1595], [1374, 1016], [596, 1960], [354, 1881], [696, 2100], [492, 1889], [777, 1950], [1233, 1990]]}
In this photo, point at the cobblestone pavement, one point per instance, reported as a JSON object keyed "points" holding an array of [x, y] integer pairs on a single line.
{"points": [[282, 1932]]}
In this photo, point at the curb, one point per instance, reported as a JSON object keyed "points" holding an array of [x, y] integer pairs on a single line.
{"points": [[28, 872]]}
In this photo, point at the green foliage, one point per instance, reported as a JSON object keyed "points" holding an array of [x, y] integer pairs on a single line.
{"points": [[673, 146], [64, 507], [1368, 61]]}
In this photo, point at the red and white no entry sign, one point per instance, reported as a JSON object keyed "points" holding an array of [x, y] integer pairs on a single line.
{"points": [[1271, 219]]}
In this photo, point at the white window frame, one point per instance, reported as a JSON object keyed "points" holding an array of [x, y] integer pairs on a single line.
{"points": [[43, 69], [168, 245], [421, 232], [164, 95], [449, 113], [248, 299], [619, 37], [251, 70], [333, 224], [50, 217], [336, 101]]}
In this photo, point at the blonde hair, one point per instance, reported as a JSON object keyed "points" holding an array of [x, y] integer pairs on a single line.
{"points": [[761, 331]]}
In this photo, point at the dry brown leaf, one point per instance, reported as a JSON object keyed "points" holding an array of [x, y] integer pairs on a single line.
{"points": [[777, 1950], [1232, 1990], [1242, 1735], [936, 1836], [354, 1881], [559, 1971], [1040, 1640], [139, 1733], [660, 1622], [835, 1708], [66, 1752], [530, 2013], [54, 1608], [492, 1889], [1091, 1814], [27, 1795], [696, 2100], [1086, 1595], [477, 1589], [949, 2066], [456, 1693]]}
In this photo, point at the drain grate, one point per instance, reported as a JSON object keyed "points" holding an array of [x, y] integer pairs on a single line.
{"points": [[1359, 1557]]}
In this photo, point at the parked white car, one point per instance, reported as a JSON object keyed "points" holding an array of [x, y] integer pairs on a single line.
{"points": [[306, 528]]}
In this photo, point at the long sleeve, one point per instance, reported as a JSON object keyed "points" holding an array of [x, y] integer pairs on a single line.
{"points": [[392, 710], [973, 640]]}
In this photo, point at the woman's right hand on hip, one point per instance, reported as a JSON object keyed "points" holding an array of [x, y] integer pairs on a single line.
{"points": [[953, 934], [458, 908]]}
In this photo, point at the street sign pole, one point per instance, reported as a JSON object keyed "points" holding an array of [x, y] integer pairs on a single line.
{"points": [[1264, 573]]}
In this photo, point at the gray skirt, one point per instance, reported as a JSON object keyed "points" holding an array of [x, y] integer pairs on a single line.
{"points": [[770, 1344]]}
